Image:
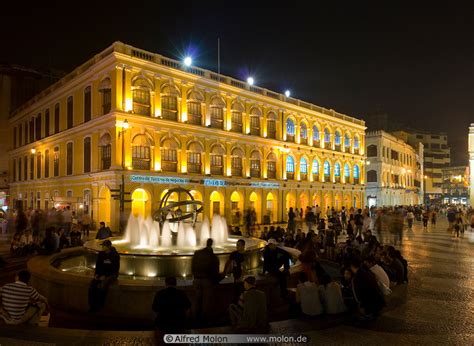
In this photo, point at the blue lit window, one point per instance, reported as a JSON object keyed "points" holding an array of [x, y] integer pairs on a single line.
{"points": [[327, 169], [356, 142], [347, 171], [290, 127], [315, 134], [303, 166], [337, 170], [290, 164], [303, 131], [356, 172], [315, 167], [327, 136], [347, 141], [337, 138]]}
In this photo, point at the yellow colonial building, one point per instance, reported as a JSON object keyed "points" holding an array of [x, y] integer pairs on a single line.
{"points": [[157, 124]]}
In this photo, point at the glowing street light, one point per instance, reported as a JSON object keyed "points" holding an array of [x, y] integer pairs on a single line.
{"points": [[250, 80], [188, 61], [287, 93], [33, 150], [125, 124]]}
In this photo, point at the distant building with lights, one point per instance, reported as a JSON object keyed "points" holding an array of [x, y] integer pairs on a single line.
{"points": [[155, 123], [394, 172], [455, 185], [437, 155]]}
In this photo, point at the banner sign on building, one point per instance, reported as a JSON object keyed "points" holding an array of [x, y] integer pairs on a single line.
{"points": [[157, 180]]}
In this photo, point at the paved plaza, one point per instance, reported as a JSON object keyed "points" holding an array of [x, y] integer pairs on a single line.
{"points": [[439, 307]]}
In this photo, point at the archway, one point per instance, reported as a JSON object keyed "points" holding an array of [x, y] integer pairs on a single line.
{"points": [[255, 203], [236, 207], [327, 202], [290, 202], [272, 208], [316, 200], [347, 201], [103, 212], [216, 204], [304, 200], [337, 202], [356, 201], [197, 195], [173, 197], [141, 203]]}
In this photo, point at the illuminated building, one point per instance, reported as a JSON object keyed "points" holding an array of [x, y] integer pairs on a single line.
{"points": [[456, 185], [233, 144]]}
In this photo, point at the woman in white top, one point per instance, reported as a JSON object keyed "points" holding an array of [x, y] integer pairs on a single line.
{"points": [[307, 295], [331, 296]]}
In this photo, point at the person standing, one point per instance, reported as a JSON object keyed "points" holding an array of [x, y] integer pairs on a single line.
{"points": [[344, 218], [86, 225], [106, 272], [172, 307], [235, 265], [410, 218], [273, 259], [21, 303], [291, 219], [359, 222], [205, 270]]}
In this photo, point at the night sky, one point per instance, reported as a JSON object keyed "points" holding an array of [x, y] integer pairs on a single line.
{"points": [[416, 64]]}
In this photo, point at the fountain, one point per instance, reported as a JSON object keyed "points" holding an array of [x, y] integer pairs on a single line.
{"points": [[164, 245]]}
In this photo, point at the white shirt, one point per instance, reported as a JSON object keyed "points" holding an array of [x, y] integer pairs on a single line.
{"points": [[310, 300], [382, 279]]}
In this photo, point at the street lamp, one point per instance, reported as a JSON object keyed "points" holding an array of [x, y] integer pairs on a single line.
{"points": [[188, 61], [250, 80]]}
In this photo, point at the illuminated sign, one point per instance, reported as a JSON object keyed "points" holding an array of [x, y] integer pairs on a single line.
{"points": [[265, 185], [214, 182], [158, 180]]}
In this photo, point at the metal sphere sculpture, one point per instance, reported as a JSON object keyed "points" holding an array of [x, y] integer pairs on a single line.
{"points": [[174, 210]]}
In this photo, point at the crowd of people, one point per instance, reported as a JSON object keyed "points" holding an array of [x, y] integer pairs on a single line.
{"points": [[361, 241]]}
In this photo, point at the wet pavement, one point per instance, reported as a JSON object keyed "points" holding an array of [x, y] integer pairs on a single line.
{"points": [[439, 309]]}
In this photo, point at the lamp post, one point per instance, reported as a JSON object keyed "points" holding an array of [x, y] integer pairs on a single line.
{"points": [[424, 188], [125, 126]]}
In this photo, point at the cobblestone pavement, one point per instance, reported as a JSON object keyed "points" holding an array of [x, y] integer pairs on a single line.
{"points": [[440, 297]]}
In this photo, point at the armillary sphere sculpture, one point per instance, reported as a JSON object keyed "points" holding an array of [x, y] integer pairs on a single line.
{"points": [[172, 212]]}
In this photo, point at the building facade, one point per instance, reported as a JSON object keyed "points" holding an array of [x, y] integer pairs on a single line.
{"points": [[394, 171], [138, 116], [456, 185], [471, 164], [437, 155]]}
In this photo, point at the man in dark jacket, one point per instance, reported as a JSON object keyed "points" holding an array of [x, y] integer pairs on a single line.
{"points": [[273, 259], [106, 272], [171, 306], [366, 290], [103, 232], [359, 222], [205, 269]]}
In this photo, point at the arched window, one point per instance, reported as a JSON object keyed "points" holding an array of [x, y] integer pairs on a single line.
{"points": [[169, 103], [327, 171], [55, 162], [315, 170], [337, 173], [169, 155], [347, 173], [141, 152], [271, 125], [290, 167], [195, 100], [316, 138], [87, 154], [87, 104], [356, 174], [217, 160], [255, 122], [271, 166], [303, 169], [337, 140], [217, 113], [69, 158], [356, 145], [105, 151], [38, 165], [56, 119], [347, 141], [141, 98], [237, 155], [194, 157], [290, 130], [236, 117], [303, 134], [70, 112], [105, 88], [46, 163], [255, 164], [327, 138], [372, 150]]}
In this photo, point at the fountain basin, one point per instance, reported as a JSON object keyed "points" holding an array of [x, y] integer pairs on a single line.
{"points": [[170, 261]]}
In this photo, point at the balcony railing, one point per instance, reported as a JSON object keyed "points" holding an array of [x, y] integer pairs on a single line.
{"points": [[236, 128], [356, 181], [303, 176], [327, 178], [337, 147], [216, 170], [141, 164], [303, 140], [194, 167], [290, 138], [271, 174], [316, 144], [271, 135], [254, 131], [169, 166], [194, 119], [169, 115], [217, 124], [236, 172], [315, 177], [356, 151], [290, 175], [337, 179], [255, 173]]}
